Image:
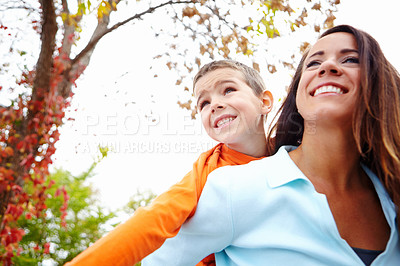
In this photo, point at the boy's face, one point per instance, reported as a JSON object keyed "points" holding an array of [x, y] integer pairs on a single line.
{"points": [[230, 111]]}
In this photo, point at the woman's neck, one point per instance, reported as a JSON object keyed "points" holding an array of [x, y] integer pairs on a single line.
{"points": [[330, 160]]}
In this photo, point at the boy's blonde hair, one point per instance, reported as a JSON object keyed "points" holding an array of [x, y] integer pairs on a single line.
{"points": [[251, 76]]}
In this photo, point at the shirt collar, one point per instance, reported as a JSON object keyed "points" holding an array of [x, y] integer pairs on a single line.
{"points": [[282, 170], [386, 202]]}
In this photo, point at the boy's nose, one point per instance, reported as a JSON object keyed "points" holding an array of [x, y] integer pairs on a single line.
{"points": [[216, 107]]}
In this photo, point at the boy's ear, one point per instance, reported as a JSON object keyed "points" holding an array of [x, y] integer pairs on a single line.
{"points": [[267, 102]]}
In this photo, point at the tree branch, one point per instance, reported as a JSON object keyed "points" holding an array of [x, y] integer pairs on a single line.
{"points": [[69, 29], [63, 87], [45, 61], [83, 58], [93, 42], [12, 5]]}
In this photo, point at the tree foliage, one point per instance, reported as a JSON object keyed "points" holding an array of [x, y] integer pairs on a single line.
{"points": [[38, 99], [139, 199], [51, 237]]}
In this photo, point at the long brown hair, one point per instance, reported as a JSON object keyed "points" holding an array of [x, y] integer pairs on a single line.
{"points": [[376, 120]]}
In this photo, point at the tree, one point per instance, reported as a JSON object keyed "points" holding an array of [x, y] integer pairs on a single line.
{"points": [[29, 123], [139, 199], [48, 236]]}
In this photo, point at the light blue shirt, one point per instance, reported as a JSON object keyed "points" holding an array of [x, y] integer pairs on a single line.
{"points": [[268, 213]]}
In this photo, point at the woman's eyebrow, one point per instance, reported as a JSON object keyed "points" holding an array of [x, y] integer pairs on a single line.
{"points": [[346, 51], [343, 51], [317, 53]]}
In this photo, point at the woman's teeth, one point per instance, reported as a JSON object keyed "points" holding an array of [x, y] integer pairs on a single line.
{"points": [[325, 89]]}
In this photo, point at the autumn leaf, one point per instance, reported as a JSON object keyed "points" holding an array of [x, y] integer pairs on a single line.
{"points": [[271, 68], [8, 151], [256, 66], [329, 21], [316, 6], [189, 12], [186, 105]]}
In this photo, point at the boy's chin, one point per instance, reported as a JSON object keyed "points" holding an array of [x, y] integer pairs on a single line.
{"points": [[229, 142]]}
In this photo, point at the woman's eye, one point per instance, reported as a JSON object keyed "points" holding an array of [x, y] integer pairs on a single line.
{"points": [[228, 90], [312, 63], [203, 104], [353, 60]]}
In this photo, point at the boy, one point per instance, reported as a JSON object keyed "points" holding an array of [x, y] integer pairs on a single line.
{"points": [[233, 104]]}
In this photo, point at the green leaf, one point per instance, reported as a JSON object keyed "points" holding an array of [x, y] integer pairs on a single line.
{"points": [[82, 9]]}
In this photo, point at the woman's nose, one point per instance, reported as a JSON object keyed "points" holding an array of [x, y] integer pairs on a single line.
{"points": [[329, 67]]}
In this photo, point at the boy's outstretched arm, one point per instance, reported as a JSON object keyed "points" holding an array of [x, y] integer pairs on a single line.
{"points": [[145, 231], [150, 226]]}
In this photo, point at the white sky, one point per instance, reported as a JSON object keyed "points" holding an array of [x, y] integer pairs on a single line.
{"points": [[155, 155]]}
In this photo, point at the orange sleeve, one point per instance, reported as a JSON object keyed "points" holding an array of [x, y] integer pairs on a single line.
{"points": [[150, 226], [145, 231]]}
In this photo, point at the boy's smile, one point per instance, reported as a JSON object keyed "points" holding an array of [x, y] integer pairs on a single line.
{"points": [[230, 111], [224, 120]]}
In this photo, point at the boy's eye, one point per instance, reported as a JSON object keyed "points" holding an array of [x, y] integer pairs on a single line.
{"points": [[203, 104], [353, 60], [228, 90]]}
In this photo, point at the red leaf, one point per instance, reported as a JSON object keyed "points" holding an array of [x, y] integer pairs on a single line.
{"points": [[28, 216], [46, 248], [9, 151], [20, 145], [16, 188], [27, 161]]}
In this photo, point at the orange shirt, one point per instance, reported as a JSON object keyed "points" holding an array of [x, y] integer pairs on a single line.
{"points": [[150, 226]]}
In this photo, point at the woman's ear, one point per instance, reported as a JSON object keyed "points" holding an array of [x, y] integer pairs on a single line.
{"points": [[267, 102]]}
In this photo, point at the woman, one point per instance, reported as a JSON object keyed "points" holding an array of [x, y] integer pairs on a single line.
{"points": [[360, 123], [319, 203]]}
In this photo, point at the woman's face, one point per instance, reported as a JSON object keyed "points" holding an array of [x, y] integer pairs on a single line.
{"points": [[330, 81]]}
